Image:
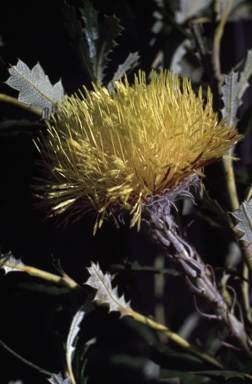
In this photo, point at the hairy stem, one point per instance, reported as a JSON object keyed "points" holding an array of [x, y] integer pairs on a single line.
{"points": [[163, 230]]}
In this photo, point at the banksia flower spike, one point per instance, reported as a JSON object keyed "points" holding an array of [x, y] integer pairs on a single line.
{"points": [[138, 149], [112, 152]]}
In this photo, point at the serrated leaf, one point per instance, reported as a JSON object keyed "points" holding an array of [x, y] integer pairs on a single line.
{"points": [[230, 98], [94, 41], [74, 329], [190, 8], [108, 31], [245, 75], [100, 39], [106, 294], [9, 258], [130, 63], [35, 88], [58, 379], [244, 215]]}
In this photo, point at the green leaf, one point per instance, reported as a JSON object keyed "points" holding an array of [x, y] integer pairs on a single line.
{"points": [[225, 374], [230, 98], [180, 377], [94, 41], [91, 32], [35, 88], [49, 290], [244, 215], [106, 294], [108, 31], [76, 34], [9, 258], [245, 75], [74, 329], [100, 39]]}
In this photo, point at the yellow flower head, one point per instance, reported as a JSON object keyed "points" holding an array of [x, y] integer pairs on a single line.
{"points": [[110, 152]]}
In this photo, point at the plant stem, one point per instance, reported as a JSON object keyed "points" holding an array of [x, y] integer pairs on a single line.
{"points": [[24, 360], [66, 281], [14, 101], [159, 284], [217, 40], [176, 338], [230, 182], [162, 229], [245, 292]]}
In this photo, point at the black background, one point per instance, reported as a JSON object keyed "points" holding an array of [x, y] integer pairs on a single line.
{"points": [[33, 323]]}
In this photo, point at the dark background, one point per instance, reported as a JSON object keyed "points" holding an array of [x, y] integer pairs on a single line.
{"points": [[35, 324]]}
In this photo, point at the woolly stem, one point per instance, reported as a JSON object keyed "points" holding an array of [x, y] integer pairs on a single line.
{"points": [[163, 230]]}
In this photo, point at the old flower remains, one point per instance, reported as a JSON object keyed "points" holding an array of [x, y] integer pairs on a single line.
{"points": [[110, 152]]}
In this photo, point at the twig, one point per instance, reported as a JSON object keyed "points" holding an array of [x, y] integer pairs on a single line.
{"points": [[159, 283], [245, 293], [42, 370], [14, 101], [176, 338], [217, 41], [230, 182], [65, 280]]}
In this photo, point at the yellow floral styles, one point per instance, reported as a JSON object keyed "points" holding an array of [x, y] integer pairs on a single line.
{"points": [[112, 151]]}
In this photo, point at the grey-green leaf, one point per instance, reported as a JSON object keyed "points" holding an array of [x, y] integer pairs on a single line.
{"points": [[108, 32], [245, 75], [35, 88], [106, 294], [244, 215], [230, 98], [130, 63], [190, 8], [240, 10], [58, 379], [9, 258], [74, 329]]}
